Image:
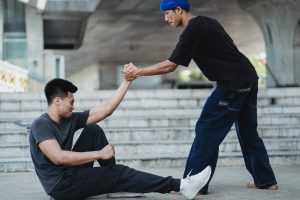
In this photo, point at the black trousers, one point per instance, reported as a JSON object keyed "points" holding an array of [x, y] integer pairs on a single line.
{"points": [[85, 180]]}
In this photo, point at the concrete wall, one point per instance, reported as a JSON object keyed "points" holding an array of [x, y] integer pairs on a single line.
{"points": [[297, 52], [106, 76], [35, 43], [276, 20], [35, 48], [70, 5], [111, 77], [88, 79], [54, 65], [144, 82]]}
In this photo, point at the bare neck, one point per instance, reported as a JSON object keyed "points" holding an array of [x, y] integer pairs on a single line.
{"points": [[187, 16], [53, 114]]}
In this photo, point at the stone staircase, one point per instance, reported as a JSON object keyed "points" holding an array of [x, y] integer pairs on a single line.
{"points": [[155, 128]]}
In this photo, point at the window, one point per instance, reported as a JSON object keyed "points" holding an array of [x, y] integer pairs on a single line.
{"points": [[14, 37]]}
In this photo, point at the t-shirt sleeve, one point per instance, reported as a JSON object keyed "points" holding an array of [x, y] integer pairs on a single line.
{"points": [[42, 130], [189, 42], [81, 118]]}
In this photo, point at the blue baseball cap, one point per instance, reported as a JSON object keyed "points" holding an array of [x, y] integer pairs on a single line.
{"points": [[173, 4]]}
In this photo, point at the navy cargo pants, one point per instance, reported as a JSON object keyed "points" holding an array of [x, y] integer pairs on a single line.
{"points": [[221, 110]]}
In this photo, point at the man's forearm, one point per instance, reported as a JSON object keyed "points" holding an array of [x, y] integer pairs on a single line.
{"points": [[52, 150], [72, 158], [157, 69], [116, 99], [100, 113]]}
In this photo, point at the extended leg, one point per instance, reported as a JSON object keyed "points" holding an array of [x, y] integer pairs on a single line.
{"points": [[253, 149], [84, 182], [217, 117]]}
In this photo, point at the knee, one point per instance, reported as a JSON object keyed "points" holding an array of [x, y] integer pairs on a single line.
{"points": [[93, 129]]}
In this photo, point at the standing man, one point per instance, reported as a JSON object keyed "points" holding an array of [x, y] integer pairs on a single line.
{"points": [[233, 101], [68, 173]]}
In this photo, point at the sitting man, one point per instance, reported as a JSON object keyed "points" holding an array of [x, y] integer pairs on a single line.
{"points": [[67, 173]]}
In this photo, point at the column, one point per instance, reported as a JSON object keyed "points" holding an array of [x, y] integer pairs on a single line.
{"points": [[1, 30], [278, 20], [109, 75], [35, 43], [297, 52]]}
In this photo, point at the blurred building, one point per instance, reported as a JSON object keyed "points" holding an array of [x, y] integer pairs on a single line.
{"points": [[30, 33], [89, 41]]}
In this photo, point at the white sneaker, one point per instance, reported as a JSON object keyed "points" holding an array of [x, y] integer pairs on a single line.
{"points": [[191, 185]]}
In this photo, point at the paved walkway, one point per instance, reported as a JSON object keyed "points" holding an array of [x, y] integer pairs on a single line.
{"points": [[227, 184]]}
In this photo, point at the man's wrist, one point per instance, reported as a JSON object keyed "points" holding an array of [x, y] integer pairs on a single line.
{"points": [[138, 73], [99, 155], [127, 82]]}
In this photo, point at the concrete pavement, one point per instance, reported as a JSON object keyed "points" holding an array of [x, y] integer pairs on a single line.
{"points": [[228, 184]]}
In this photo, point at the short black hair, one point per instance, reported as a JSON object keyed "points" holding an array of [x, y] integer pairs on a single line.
{"points": [[58, 88]]}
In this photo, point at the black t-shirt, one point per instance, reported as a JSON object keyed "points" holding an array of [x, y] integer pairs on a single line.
{"points": [[206, 42], [43, 128]]}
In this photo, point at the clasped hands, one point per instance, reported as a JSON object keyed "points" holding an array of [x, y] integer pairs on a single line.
{"points": [[130, 72]]}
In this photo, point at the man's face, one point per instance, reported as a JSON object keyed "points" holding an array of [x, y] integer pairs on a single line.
{"points": [[66, 105], [173, 17]]}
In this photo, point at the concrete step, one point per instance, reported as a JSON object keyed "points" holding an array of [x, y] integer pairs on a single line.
{"points": [[87, 103], [156, 93], [189, 121], [162, 160], [228, 145], [14, 137], [160, 147], [18, 164], [149, 112], [20, 136], [188, 133], [161, 121], [143, 99], [155, 116], [23, 105], [40, 106], [14, 126], [14, 150], [225, 159]]}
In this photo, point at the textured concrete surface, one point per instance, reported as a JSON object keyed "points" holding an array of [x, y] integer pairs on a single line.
{"points": [[227, 184]]}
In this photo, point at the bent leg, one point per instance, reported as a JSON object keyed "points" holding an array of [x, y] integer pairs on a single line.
{"points": [[93, 138]]}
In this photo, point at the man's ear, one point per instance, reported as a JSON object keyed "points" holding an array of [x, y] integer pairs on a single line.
{"points": [[56, 101], [178, 10]]}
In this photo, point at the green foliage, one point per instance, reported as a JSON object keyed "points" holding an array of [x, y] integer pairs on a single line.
{"points": [[195, 74], [191, 75], [261, 70]]}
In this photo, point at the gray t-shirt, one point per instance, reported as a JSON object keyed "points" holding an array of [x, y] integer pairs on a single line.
{"points": [[44, 128]]}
